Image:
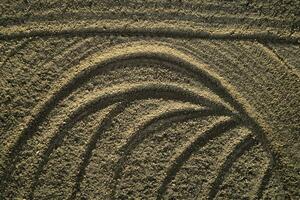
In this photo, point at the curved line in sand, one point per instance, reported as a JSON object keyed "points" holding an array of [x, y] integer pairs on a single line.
{"points": [[160, 52]]}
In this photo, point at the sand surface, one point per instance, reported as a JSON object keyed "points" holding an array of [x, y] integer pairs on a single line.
{"points": [[149, 99]]}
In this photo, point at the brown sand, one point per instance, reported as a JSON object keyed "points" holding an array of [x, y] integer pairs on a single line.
{"points": [[149, 99]]}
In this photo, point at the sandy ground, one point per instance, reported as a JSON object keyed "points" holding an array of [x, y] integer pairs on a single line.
{"points": [[149, 99]]}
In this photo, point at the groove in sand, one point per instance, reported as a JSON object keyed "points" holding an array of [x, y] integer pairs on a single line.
{"points": [[264, 181], [167, 92], [132, 94], [145, 131], [69, 87], [167, 32], [272, 52], [238, 151], [92, 145], [15, 50], [206, 19], [213, 132]]}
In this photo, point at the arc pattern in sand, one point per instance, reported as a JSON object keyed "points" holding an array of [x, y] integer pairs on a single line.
{"points": [[146, 107]]}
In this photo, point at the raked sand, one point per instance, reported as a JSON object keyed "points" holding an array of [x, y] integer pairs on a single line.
{"points": [[149, 100]]}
